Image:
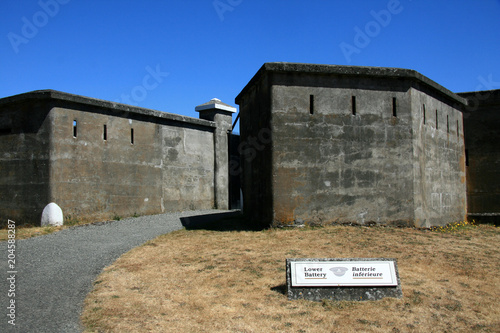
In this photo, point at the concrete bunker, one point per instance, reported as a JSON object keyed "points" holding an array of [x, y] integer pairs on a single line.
{"points": [[319, 144], [98, 159], [351, 145]]}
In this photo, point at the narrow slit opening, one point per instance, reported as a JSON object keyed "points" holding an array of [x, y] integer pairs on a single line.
{"points": [[311, 104], [105, 133], [75, 128], [394, 107], [132, 136], [423, 105], [353, 105]]}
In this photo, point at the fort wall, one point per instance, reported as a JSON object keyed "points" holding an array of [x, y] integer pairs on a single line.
{"points": [[24, 159], [319, 144], [482, 137], [347, 147], [255, 150], [100, 160], [438, 159], [335, 166]]}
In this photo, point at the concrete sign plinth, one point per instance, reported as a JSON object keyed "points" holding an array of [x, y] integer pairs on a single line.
{"points": [[350, 279]]}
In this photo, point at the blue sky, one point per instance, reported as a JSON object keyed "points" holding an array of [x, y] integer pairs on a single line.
{"points": [[174, 55]]}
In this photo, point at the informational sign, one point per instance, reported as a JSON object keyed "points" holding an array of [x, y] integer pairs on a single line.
{"points": [[343, 274]]}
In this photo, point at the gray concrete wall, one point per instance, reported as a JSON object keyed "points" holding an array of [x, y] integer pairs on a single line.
{"points": [[439, 160], [482, 138], [93, 178], [24, 160], [170, 165], [223, 121], [256, 153], [335, 167], [328, 165], [188, 169], [235, 172]]}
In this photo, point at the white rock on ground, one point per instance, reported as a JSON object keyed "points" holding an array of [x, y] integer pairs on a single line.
{"points": [[52, 215]]}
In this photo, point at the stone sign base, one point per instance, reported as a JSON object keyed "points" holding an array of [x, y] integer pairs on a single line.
{"points": [[331, 276]]}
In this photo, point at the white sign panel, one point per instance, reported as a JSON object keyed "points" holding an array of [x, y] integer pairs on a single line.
{"points": [[343, 273]]}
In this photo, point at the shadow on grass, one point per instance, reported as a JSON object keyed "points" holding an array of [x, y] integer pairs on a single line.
{"points": [[224, 221], [281, 289]]}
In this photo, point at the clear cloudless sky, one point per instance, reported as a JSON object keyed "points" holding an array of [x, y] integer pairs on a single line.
{"points": [[174, 55]]}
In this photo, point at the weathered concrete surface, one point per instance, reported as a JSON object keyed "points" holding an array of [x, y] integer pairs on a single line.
{"points": [[482, 138], [326, 161], [98, 159], [235, 173], [188, 169], [24, 160], [255, 153], [221, 114], [96, 178], [438, 160]]}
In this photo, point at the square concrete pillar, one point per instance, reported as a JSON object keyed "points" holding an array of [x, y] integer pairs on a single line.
{"points": [[222, 115]]}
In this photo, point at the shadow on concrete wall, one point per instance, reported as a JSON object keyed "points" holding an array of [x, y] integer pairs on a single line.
{"points": [[485, 219], [224, 221]]}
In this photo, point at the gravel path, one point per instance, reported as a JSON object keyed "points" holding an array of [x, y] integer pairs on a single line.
{"points": [[55, 272]]}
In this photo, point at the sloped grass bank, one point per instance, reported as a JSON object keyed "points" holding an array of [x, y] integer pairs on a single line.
{"points": [[213, 281]]}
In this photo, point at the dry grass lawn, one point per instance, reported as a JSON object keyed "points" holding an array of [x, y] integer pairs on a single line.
{"points": [[24, 232], [212, 281]]}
